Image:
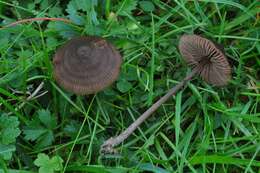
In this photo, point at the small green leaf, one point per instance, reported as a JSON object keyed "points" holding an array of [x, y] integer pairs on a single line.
{"points": [[46, 118], [41, 129], [45, 140], [76, 6], [45, 169], [41, 160], [9, 135], [126, 6], [33, 134], [24, 54], [72, 128], [146, 6], [52, 42], [55, 11], [56, 163], [6, 151], [65, 30], [4, 40], [84, 5], [48, 165], [73, 15], [123, 86], [8, 129]]}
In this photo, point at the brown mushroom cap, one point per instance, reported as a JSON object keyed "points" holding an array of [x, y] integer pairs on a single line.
{"points": [[207, 57], [86, 65]]}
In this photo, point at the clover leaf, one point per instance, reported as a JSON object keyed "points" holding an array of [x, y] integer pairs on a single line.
{"points": [[48, 165], [9, 130]]}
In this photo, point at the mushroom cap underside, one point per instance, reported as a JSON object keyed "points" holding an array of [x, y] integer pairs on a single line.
{"points": [[208, 57]]}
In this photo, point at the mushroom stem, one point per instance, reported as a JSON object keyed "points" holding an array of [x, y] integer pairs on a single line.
{"points": [[108, 145]]}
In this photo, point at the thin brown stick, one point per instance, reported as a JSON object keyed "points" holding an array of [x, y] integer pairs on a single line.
{"points": [[36, 19], [31, 97], [108, 145]]}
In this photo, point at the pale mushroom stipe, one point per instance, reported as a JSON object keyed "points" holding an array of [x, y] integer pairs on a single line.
{"points": [[205, 59], [86, 65]]}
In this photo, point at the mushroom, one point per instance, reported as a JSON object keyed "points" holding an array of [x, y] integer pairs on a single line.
{"points": [[86, 65], [208, 57], [206, 60]]}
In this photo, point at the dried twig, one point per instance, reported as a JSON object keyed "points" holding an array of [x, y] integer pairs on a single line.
{"points": [[32, 96], [36, 19]]}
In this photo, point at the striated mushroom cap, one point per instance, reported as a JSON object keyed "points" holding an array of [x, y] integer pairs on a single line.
{"points": [[205, 55], [86, 65]]}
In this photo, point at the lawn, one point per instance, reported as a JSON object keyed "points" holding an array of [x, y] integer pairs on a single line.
{"points": [[202, 129]]}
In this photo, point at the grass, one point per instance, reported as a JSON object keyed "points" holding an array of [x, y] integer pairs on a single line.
{"points": [[201, 129]]}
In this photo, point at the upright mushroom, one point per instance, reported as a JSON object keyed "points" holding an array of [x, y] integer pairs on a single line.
{"points": [[205, 59], [86, 65]]}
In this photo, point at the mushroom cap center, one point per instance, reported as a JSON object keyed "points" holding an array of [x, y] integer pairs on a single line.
{"points": [[84, 52]]}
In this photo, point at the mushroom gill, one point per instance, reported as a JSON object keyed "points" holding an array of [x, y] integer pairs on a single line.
{"points": [[205, 55]]}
